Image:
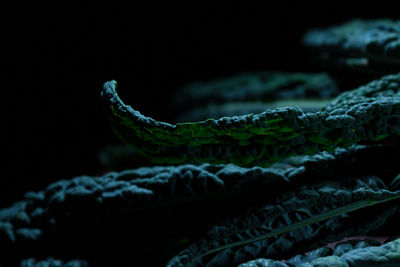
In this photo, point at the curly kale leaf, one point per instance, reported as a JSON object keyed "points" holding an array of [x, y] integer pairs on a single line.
{"points": [[257, 86], [51, 262], [162, 210], [253, 93], [359, 254], [369, 113], [366, 45], [380, 38], [316, 213]]}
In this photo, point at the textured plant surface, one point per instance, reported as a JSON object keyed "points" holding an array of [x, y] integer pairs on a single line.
{"points": [[372, 45], [370, 112], [354, 253], [50, 262], [253, 93], [261, 86], [311, 214], [270, 189], [207, 206]]}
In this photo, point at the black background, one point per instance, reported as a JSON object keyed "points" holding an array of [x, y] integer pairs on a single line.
{"points": [[58, 57]]}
